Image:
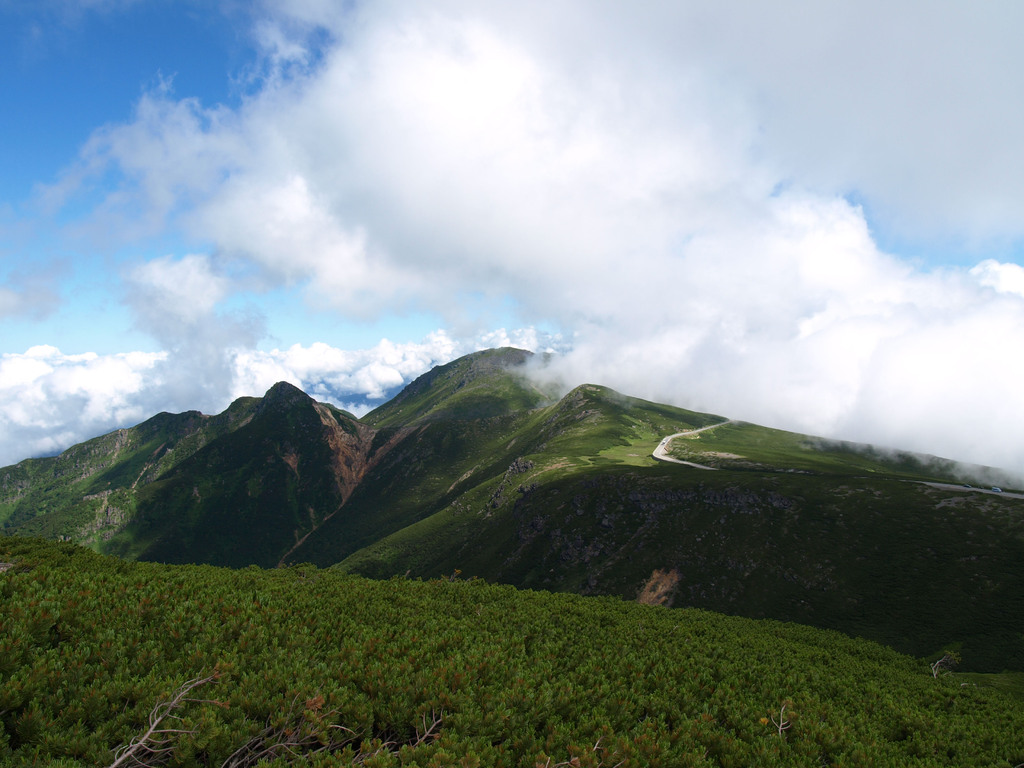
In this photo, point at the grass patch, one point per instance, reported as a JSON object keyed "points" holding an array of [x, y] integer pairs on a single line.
{"points": [[743, 446], [1011, 683]]}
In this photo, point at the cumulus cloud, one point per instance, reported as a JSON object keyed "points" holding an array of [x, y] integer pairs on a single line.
{"points": [[1004, 277], [50, 400], [672, 187], [907, 107], [359, 380], [337, 375], [178, 302], [176, 291]]}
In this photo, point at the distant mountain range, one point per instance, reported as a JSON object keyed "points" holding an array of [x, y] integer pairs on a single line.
{"points": [[473, 470]]}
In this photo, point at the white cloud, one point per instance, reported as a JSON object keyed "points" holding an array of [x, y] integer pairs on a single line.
{"points": [[669, 185], [50, 400], [179, 302], [1003, 277], [182, 290], [339, 376], [905, 105]]}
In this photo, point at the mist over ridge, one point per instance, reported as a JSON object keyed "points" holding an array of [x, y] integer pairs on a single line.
{"points": [[803, 218]]}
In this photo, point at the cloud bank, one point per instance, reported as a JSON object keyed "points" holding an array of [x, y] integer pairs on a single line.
{"points": [[50, 400], [686, 192]]}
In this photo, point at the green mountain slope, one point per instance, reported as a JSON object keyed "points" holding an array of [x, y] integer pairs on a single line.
{"points": [[826, 536], [301, 666], [478, 386], [250, 496], [235, 489], [462, 462], [87, 493], [474, 469]]}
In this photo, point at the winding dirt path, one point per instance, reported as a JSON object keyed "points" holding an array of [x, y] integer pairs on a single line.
{"points": [[661, 452], [974, 489]]}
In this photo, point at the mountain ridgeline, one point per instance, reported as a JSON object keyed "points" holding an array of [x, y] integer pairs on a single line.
{"points": [[474, 470]]}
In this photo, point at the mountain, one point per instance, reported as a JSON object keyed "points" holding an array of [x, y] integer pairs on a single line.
{"points": [[475, 470], [89, 490]]}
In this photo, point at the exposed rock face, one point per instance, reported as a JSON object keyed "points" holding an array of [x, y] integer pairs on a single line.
{"points": [[108, 521], [517, 467], [660, 588], [350, 444], [354, 451]]}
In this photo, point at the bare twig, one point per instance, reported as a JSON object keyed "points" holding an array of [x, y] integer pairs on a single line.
{"points": [[782, 723], [156, 744], [574, 762], [297, 738], [293, 737], [429, 731], [944, 666], [302, 732]]}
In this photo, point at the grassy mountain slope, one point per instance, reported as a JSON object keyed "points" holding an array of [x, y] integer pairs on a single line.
{"points": [[916, 580], [88, 492], [462, 463], [309, 667], [802, 530], [248, 497], [477, 386], [235, 489], [476, 470], [743, 446], [446, 432]]}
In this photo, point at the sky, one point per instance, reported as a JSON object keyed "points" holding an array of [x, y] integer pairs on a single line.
{"points": [[805, 215]]}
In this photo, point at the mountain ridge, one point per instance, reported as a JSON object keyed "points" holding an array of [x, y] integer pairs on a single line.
{"points": [[475, 469]]}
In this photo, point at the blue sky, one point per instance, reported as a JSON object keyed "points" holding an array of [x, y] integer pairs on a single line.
{"points": [[69, 71], [806, 216]]}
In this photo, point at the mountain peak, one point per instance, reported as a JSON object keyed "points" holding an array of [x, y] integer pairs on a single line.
{"points": [[474, 467], [284, 393], [476, 386]]}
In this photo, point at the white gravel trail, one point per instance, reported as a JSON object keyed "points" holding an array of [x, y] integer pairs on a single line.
{"points": [[661, 452]]}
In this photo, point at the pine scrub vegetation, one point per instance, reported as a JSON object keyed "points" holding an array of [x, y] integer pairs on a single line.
{"points": [[111, 663]]}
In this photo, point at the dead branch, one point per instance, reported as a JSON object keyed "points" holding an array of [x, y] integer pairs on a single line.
{"points": [[574, 762], [156, 744], [944, 666], [293, 736], [782, 724], [296, 738], [429, 731]]}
